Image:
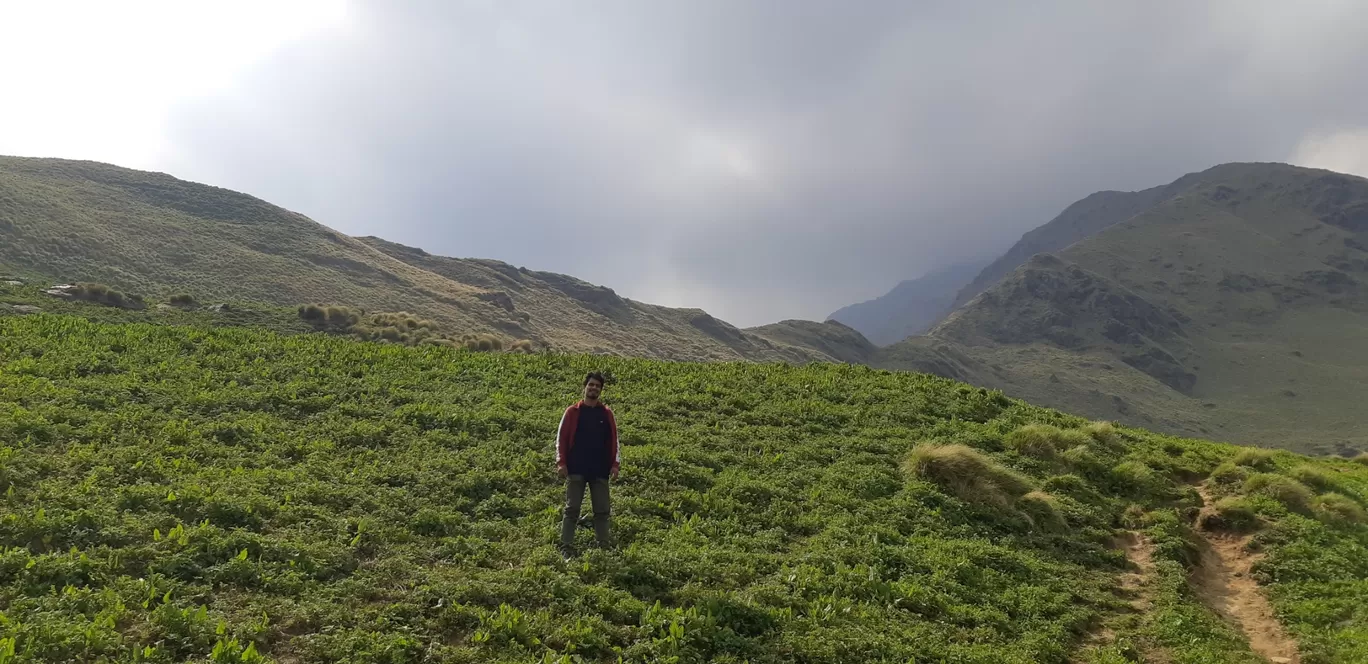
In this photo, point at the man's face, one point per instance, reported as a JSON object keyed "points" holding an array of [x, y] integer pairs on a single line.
{"points": [[592, 389]]}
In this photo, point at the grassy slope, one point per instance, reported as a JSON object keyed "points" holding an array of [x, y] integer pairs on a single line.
{"points": [[1080, 220], [281, 320], [596, 319], [1239, 302], [837, 340], [152, 234], [174, 492]]}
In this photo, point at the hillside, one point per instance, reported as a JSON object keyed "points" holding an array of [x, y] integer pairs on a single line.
{"points": [[1080, 220], [191, 494], [840, 342], [1232, 309], [910, 308], [153, 234]]}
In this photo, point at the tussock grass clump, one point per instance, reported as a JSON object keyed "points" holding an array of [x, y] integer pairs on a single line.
{"points": [[1085, 460], [333, 318], [1105, 434], [1254, 457], [1034, 440], [102, 294], [967, 473], [183, 300], [1362, 458], [482, 342], [1338, 508], [1043, 511], [1228, 477], [1044, 441], [1292, 494], [1232, 515], [1133, 477], [1316, 478], [399, 327]]}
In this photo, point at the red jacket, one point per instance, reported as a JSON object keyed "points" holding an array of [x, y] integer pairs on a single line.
{"points": [[565, 435]]}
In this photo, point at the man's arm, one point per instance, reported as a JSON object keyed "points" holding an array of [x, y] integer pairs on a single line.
{"points": [[613, 449], [563, 442]]}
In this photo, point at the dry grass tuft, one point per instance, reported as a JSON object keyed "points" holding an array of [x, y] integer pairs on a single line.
{"points": [[966, 473]]}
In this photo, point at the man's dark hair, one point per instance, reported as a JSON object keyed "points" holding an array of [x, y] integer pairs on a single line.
{"points": [[594, 375]]}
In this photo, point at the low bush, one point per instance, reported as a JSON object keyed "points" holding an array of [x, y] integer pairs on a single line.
{"points": [[1228, 478], [1233, 515], [1337, 508], [398, 327], [1043, 511], [102, 294], [1254, 457], [1105, 434], [1292, 494], [966, 473], [1316, 478], [1133, 478], [1044, 441], [1085, 461]]}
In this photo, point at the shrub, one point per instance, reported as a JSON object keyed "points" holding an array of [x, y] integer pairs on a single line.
{"points": [[1073, 486], [342, 316], [1292, 494], [1228, 477], [1233, 515], [1256, 458], [1083, 459], [1134, 517], [966, 473], [1043, 441], [102, 294], [1043, 511], [183, 300], [1105, 434], [482, 342], [312, 313], [1034, 440], [1133, 477], [1316, 478], [1337, 508]]}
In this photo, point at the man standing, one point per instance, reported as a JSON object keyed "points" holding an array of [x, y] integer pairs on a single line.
{"points": [[587, 454]]}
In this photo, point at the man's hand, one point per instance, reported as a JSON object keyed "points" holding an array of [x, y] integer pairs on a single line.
{"points": [[561, 472], [614, 474]]}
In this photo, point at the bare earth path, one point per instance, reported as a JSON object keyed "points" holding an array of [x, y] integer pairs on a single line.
{"points": [[1224, 583], [1137, 586]]}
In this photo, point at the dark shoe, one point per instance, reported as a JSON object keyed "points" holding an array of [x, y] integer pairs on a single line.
{"points": [[568, 553]]}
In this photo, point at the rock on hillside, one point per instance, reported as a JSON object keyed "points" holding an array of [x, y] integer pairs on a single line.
{"points": [[1050, 300]]}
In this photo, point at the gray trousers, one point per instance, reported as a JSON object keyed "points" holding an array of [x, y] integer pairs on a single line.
{"points": [[574, 500]]}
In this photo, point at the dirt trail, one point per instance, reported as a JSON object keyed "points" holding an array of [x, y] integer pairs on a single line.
{"points": [[1135, 585], [1224, 583]]}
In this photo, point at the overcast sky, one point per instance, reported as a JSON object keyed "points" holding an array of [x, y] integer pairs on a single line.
{"points": [[759, 159]]}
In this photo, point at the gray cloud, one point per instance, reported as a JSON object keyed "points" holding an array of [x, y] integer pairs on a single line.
{"points": [[766, 159]]}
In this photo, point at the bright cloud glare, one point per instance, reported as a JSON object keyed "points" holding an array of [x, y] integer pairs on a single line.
{"points": [[96, 80]]}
